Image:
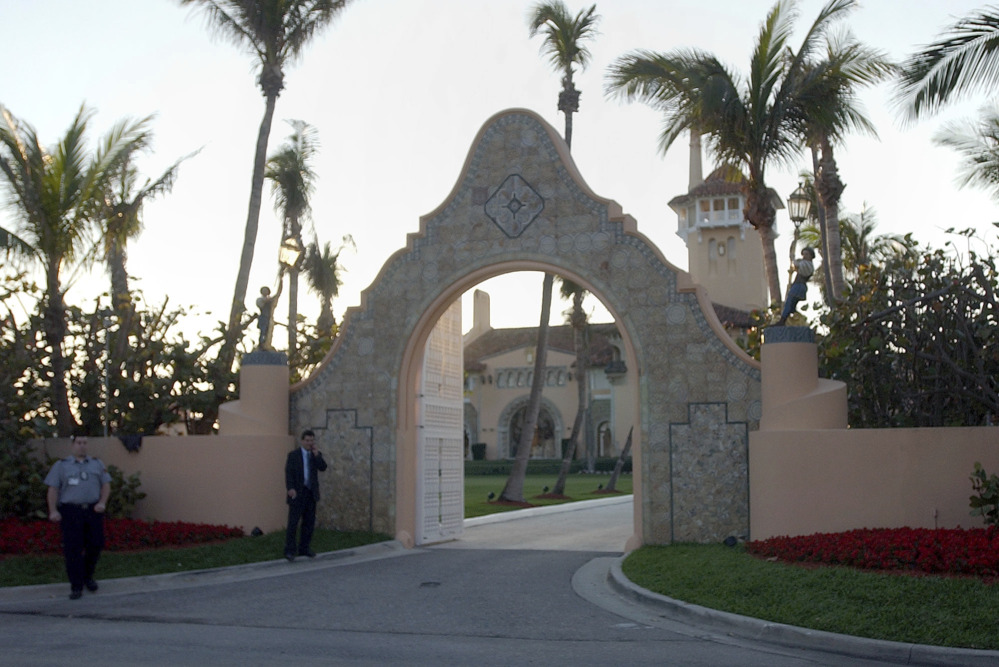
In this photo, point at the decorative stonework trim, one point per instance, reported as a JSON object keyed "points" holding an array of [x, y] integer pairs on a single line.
{"points": [[368, 433], [264, 358], [741, 427], [514, 205], [788, 335]]}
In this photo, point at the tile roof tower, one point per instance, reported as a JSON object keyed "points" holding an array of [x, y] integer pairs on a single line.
{"points": [[724, 252]]}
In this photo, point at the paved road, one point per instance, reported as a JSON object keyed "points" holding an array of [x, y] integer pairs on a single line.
{"points": [[518, 592]]}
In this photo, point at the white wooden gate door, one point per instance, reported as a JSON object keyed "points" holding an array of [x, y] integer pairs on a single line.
{"points": [[440, 486]]}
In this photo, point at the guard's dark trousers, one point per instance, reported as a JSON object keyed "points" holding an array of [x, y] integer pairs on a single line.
{"points": [[82, 541]]}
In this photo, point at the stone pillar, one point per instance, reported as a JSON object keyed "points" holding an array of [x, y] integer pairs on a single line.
{"points": [[262, 408], [794, 396]]}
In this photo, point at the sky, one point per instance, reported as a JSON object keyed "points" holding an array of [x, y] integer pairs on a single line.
{"points": [[397, 90]]}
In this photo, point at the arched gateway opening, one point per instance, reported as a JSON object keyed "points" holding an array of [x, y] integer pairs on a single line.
{"points": [[520, 204]]}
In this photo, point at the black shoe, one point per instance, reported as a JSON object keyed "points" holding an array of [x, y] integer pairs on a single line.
{"points": [[290, 557], [91, 585], [75, 594], [308, 554]]}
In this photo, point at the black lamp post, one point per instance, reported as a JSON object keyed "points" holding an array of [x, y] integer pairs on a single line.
{"points": [[798, 206]]}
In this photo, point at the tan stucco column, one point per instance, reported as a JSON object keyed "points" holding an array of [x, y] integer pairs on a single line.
{"points": [[262, 408], [794, 396]]}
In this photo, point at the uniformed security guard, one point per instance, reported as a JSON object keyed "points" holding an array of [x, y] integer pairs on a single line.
{"points": [[79, 486]]}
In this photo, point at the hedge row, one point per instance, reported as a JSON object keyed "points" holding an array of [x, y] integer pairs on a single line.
{"points": [[544, 466]]}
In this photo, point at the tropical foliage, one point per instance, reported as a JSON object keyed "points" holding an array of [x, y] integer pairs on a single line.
{"points": [[861, 246], [322, 271], [964, 61], [846, 66], [275, 33], [752, 123], [931, 324], [58, 196], [293, 179], [564, 41]]}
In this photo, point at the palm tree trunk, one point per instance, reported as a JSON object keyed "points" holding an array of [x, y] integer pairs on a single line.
{"points": [[612, 484], [761, 214], [820, 214], [513, 491], [55, 332], [582, 354], [830, 190], [770, 264], [292, 311], [568, 129], [121, 302], [228, 353]]}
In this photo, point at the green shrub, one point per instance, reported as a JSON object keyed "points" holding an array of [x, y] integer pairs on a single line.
{"points": [[124, 493], [542, 466], [986, 503], [22, 482]]}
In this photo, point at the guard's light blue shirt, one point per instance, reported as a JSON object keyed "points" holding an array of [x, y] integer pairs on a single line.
{"points": [[79, 482]]}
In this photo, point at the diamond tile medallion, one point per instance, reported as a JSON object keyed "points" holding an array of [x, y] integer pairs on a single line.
{"points": [[514, 206]]}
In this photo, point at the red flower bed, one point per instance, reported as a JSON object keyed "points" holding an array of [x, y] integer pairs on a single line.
{"points": [[37, 537], [974, 551]]}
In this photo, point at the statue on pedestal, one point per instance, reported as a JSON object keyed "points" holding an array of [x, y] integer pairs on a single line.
{"points": [[266, 303], [803, 268]]}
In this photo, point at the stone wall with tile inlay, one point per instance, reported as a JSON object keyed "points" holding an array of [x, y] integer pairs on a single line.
{"points": [[521, 204]]}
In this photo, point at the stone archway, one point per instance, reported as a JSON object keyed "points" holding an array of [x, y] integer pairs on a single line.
{"points": [[505, 426], [521, 204]]}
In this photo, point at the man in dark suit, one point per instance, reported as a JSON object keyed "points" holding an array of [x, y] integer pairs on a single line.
{"points": [[301, 478]]}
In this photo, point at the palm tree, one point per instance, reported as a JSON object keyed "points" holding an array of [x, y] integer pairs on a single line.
{"points": [[322, 271], [59, 196], [833, 111], [293, 183], [963, 61], [275, 32], [750, 124], [577, 320], [563, 42], [862, 247], [978, 143], [564, 35], [513, 490], [122, 223]]}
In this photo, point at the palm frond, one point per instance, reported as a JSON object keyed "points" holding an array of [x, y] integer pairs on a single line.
{"points": [[978, 143], [564, 35], [963, 62]]}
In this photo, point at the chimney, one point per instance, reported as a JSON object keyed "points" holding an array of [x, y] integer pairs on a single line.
{"points": [[696, 176]]}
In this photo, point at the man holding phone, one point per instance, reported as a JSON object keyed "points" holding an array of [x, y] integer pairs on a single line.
{"points": [[301, 476]]}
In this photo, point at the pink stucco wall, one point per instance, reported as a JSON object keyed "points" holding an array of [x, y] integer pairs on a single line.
{"points": [[809, 473], [235, 479], [230, 480], [804, 482]]}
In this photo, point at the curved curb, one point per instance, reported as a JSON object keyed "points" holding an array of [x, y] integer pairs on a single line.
{"points": [[796, 637], [188, 578]]}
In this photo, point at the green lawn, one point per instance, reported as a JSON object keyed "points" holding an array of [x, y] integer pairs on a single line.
{"points": [[49, 569], [936, 610], [577, 487]]}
